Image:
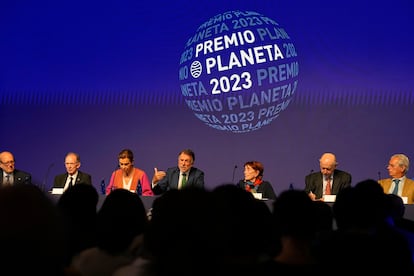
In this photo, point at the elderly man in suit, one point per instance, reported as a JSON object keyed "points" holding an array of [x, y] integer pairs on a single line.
{"points": [[184, 175], [398, 183], [73, 175], [9, 175], [329, 180]]}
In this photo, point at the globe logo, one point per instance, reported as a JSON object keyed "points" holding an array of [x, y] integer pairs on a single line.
{"points": [[196, 69], [239, 71]]}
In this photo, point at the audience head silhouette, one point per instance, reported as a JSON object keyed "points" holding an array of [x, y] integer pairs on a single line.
{"points": [[31, 233]]}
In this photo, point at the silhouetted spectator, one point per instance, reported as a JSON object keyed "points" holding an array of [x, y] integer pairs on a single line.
{"points": [[78, 206], [31, 233], [396, 218], [181, 236], [363, 238], [297, 224], [121, 222]]}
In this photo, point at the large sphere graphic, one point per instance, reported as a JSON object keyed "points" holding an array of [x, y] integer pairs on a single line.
{"points": [[239, 71]]}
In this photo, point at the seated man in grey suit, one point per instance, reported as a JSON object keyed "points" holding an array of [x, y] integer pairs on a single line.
{"points": [[9, 175], [329, 180], [184, 175], [73, 175]]}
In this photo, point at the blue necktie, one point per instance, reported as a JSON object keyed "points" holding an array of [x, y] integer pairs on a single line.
{"points": [[395, 191]]}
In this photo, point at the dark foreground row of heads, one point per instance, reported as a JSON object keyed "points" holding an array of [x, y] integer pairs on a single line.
{"points": [[225, 231]]}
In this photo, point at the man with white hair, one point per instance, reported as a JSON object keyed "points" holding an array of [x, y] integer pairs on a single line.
{"points": [[398, 183]]}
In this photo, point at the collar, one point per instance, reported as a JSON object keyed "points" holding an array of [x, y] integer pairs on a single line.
{"points": [[75, 176]]}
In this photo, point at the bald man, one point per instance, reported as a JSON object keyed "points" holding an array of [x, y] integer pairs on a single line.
{"points": [[9, 175], [316, 183]]}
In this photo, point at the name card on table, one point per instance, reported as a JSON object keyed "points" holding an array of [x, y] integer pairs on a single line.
{"points": [[257, 195], [329, 198], [57, 191]]}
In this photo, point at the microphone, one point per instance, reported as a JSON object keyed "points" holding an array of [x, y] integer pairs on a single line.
{"points": [[139, 188], [47, 175], [103, 186], [112, 178], [291, 186], [379, 175], [234, 171]]}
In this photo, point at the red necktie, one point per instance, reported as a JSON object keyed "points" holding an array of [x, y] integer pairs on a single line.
{"points": [[328, 187]]}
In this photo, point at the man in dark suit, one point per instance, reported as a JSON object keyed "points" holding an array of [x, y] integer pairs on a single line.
{"points": [[184, 175], [73, 175], [9, 174], [329, 180]]}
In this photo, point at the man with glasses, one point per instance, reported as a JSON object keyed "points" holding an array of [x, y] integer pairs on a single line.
{"points": [[398, 183], [9, 174], [329, 180], [73, 175]]}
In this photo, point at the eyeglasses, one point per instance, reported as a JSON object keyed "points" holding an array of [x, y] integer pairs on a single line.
{"points": [[7, 163]]}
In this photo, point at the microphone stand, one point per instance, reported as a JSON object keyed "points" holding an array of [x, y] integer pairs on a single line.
{"points": [[46, 177], [234, 171]]}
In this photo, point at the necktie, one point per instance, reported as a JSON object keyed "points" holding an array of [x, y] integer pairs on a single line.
{"points": [[184, 180], [395, 191], [7, 183], [71, 182], [328, 186]]}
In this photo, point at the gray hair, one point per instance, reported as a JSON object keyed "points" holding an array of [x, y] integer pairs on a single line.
{"points": [[403, 161]]}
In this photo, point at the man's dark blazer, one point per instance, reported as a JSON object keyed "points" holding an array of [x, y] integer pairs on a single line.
{"points": [[314, 182], [60, 180], [20, 177], [170, 181]]}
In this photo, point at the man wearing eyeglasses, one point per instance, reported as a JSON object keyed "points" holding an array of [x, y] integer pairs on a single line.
{"points": [[73, 175], [9, 174], [398, 183]]}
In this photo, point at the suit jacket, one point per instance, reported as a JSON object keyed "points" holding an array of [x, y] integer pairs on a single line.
{"points": [[408, 189], [60, 180], [170, 181], [314, 182], [20, 177]]}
